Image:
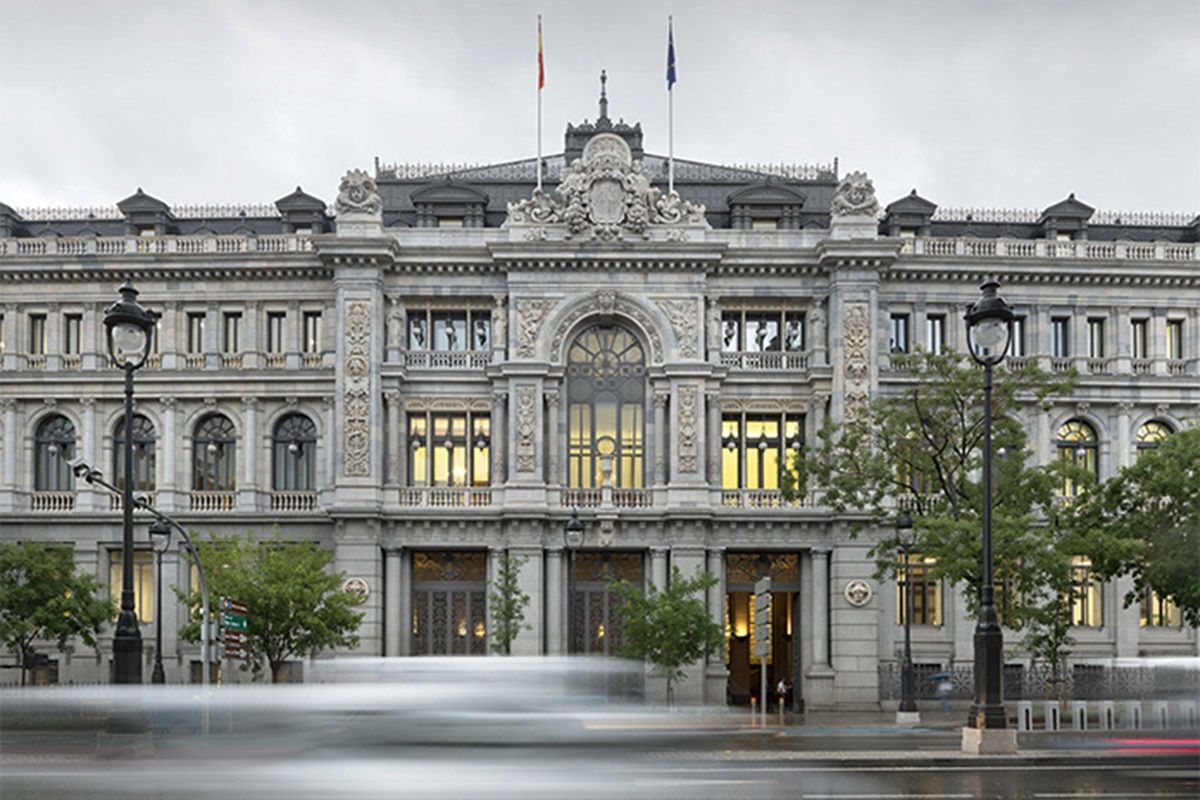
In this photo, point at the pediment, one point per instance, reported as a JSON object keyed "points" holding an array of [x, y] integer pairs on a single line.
{"points": [[449, 193], [767, 193], [141, 203], [1070, 208], [299, 200], [912, 203]]}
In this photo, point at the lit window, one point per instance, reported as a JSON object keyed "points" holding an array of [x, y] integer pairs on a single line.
{"points": [[927, 591], [606, 397], [1077, 445], [1151, 434], [756, 450], [1087, 608], [1175, 339], [1159, 612], [449, 449], [143, 582]]}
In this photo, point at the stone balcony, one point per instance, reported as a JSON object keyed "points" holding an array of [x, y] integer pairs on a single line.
{"points": [[154, 245], [972, 247]]}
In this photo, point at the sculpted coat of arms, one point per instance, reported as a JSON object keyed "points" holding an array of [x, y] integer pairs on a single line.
{"points": [[605, 195]]}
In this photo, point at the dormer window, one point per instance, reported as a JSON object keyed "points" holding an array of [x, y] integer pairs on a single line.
{"points": [[450, 222], [145, 230], [909, 233], [1064, 236]]}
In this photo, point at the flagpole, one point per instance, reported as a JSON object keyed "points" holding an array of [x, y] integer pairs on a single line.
{"points": [[670, 105], [541, 82]]}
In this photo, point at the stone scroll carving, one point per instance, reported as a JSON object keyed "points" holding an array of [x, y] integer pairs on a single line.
{"points": [[526, 428], [605, 195], [855, 197], [356, 396], [682, 316], [358, 194], [530, 314], [857, 353], [689, 415]]}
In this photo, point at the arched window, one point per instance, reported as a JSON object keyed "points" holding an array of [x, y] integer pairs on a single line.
{"points": [[1151, 434], [143, 454], [54, 447], [213, 446], [294, 454], [1077, 444], [606, 407]]}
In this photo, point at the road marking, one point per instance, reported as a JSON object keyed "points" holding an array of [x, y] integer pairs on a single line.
{"points": [[888, 796], [925, 768]]}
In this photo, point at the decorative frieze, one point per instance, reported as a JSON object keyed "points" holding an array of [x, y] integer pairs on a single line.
{"points": [[440, 403], [856, 338], [356, 395], [530, 314], [688, 421], [526, 428], [682, 316], [608, 303]]}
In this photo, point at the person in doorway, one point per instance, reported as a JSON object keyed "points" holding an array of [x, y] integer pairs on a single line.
{"points": [[944, 688], [781, 690]]}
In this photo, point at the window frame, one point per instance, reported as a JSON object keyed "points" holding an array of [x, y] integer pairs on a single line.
{"points": [[428, 432], [736, 429], [294, 472], [214, 472], [52, 471], [144, 448], [928, 612], [1060, 337], [935, 334], [425, 320], [898, 324]]}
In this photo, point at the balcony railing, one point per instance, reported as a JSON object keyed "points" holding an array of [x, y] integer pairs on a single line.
{"points": [[446, 359], [1100, 366], [446, 496], [1142, 366], [231, 360], [768, 360], [72, 361], [969, 246], [274, 360], [1060, 364], [52, 501], [761, 498], [310, 360], [213, 501], [1176, 366], [293, 501], [35, 361], [180, 245], [116, 502], [193, 360]]}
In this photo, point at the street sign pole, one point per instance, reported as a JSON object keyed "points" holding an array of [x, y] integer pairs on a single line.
{"points": [[762, 639]]}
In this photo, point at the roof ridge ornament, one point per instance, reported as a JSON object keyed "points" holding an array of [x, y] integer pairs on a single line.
{"points": [[605, 195]]}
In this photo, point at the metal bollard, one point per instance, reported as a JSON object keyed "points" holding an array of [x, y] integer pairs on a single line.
{"points": [[1079, 715], [1024, 715], [1107, 714], [1051, 722]]}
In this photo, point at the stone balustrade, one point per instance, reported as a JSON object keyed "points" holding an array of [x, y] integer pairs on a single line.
{"points": [[446, 359], [758, 499], [293, 501], [213, 501], [973, 247], [155, 245], [782, 360], [52, 501], [445, 496]]}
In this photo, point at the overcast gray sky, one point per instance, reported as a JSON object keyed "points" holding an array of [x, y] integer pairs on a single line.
{"points": [[989, 104]]}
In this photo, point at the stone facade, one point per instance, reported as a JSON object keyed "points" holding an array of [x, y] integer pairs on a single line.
{"points": [[459, 295]]}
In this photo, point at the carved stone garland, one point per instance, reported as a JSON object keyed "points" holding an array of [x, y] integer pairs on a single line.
{"points": [[357, 393], [857, 367], [526, 428], [682, 316], [689, 413], [530, 314]]}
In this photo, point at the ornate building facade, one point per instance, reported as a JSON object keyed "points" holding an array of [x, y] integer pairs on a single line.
{"points": [[449, 361]]}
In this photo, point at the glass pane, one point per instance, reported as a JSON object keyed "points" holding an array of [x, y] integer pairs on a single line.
{"points": [[730, 332]]}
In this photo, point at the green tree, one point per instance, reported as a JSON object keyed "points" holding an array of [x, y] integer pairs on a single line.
{"points": [[921, 448], [42, 597], [1145, 522], [669, 627], [294, 603], [508, 603]]}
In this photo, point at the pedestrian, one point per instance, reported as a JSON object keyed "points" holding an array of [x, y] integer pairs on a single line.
{"points": [[781, 689], [944, 688]]}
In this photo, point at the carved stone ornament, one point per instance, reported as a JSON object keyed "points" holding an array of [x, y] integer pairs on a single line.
{"points": [[358, 194], [605, 195], [689, 414], [682, 316], [608, 303], [855, 197], [857, 368], [858, 592], [526, 428], [530, 314], [356, 395], [357, 587]]}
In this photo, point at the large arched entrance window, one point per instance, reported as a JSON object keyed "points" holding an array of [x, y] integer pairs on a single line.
{"points": [[143, 454], [606, 407]]}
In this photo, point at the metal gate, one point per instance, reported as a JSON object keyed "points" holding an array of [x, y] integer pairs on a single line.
{"points": [[449, 602], [597, 625]]}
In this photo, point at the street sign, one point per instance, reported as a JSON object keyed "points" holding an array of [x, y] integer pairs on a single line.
{"points": [[762, 586], [235, 652], [235, 637], [762, 649], [231, 621], [229, 604], [762, 620]]}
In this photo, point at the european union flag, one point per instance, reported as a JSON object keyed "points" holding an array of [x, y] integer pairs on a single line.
{"points": [[670, 55]]}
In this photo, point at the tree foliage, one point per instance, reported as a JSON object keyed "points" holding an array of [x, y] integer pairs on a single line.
{"points": [[508, 603], [922, 449], [42, 597], [1145, 522], [669, 627], [295, 605]]}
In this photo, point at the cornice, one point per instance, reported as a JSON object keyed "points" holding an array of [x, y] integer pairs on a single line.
{"points": [[1050, 272], [150, 268]]}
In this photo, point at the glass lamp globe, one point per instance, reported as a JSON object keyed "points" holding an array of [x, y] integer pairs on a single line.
{"points": [[990, 335], [128, 342]]}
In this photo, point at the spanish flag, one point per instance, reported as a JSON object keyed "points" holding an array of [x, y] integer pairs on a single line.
{"points": [[541, 59]]}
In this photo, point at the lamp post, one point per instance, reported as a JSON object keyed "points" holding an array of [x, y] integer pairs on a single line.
{"points": [[160, 539], [907, 714], [573, 540], [130, 330], [989, 329]]}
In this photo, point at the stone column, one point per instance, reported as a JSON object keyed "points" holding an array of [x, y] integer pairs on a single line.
{"points": [[329, 404], [499, 328], [1043, 446], [404, 589], [8, 485], [392, 620], [212, 336], [658, 567], [661, 452], [54, 331], [251, 352], [1038, 330], [394, 452], [1124, 455], [395, 328], [292, 335], [555, 595], [715, 674], [1122, 341], [86, 497], [554, 440], [164, 494], [820, 607], [712, 407], [1158, 341], [11, 346], [248, 487], [499, 437], [92, 344], [531, 581]]}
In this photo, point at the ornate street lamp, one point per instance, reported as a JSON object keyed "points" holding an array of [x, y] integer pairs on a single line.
{"points": [[130, 333], [573, 539], [989, 329], [907, 714], [160, 540]]}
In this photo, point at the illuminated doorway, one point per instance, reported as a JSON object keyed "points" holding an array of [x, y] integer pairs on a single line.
{"points": [[449, 603], [742, 570]]}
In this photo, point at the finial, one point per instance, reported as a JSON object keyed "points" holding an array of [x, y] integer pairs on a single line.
{"points": [[603, 95]]}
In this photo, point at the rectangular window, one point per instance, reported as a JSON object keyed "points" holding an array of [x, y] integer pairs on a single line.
{"points": [[1139, 347], [1, 334], [37, 334], [762, 333], [935, 333], [449, 330], [898, 333], [1095, 338], [1087, 608], [1016, 347], [143, 582], [758, 450], [731, 332], [793, 332], [926, 591], [1159, 612], [312, 331], [72, 334], [449, 449], [481, 332], [275, 323], [230, 340], [1060, 343], [195, 338], [1175, 339]]}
